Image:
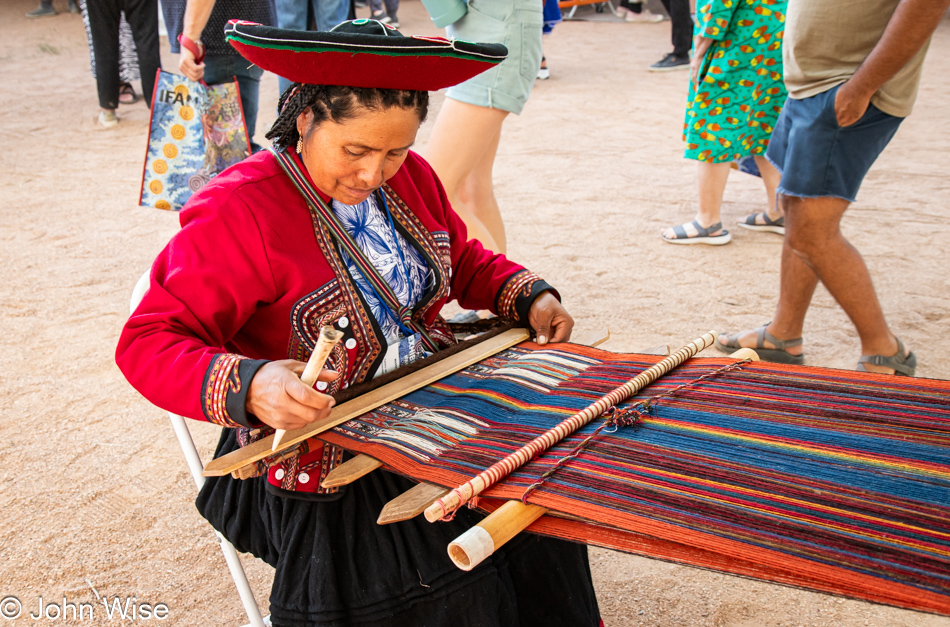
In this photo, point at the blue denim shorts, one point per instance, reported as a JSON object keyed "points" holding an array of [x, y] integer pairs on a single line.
{"points": [[515, 23], [817, 157]]}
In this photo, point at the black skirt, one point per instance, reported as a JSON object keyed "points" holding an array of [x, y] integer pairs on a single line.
{"points": [[336, 567]]}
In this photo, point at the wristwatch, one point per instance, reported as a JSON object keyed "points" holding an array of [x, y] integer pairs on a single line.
{"points": [[195, 47]]}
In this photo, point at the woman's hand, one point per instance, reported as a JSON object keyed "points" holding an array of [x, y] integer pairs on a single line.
{"points": [[280, 399], [700, 47], [549, 319]]}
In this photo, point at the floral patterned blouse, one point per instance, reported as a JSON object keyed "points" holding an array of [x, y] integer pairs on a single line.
{"points": [[370, 228]]}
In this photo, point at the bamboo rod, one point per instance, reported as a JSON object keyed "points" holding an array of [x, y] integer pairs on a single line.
{"points": [[501, 469], [472, 547], [329, 337]]}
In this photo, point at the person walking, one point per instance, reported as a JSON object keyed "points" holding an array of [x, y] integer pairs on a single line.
{"points": [[464, 141], [682, 35], [736, 93], [104, 19], [196, 27], [128, 61], [852, 78]]}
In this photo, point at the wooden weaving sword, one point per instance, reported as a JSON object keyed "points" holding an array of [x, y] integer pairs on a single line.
{"points": [[256, 451], [361, 465]]}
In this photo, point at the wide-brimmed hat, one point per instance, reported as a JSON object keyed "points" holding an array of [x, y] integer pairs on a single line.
{"points": [[362, 53]]}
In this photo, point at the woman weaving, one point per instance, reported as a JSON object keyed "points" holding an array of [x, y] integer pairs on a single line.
{"points": [[340, 224]]}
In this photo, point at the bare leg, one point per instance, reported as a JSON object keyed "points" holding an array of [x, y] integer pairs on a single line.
{"points": [[476, 195], [712, 178], [797, 283], [815, 249], [462, 151], [771, 178]]}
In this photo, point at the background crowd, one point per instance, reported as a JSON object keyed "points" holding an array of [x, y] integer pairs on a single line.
{"points": [[736, 92]]}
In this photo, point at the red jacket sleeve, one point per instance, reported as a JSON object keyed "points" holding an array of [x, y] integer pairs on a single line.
{"points": [[204, 286]]}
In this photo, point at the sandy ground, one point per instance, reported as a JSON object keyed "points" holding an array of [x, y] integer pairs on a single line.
{"points": [[93, 488]]}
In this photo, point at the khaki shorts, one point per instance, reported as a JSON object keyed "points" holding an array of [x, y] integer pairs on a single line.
{"points": [[516, 24]]}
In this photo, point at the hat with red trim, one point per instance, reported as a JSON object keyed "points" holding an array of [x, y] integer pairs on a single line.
{"points": [[362, 53]]}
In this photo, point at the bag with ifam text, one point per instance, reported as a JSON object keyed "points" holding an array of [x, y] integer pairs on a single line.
{"points": [[196, 131]]}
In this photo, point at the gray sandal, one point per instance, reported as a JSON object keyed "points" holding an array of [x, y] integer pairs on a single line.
{"points": [[777, 355], [772, 226], [903, 366], [702, 235]]}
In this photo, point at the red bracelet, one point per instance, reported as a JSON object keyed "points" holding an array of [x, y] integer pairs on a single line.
{"points": [[194, 47]]}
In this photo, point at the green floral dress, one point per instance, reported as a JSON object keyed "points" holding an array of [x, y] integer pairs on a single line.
{"points": [[741, 90]]}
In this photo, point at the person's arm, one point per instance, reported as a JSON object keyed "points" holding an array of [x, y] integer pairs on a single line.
{"points": [[207, 282], [713, 18], [197, 13], [700, 47], [912, 24]]}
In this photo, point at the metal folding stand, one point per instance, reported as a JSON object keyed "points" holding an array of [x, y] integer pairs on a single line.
{"points": [[196, 466], [573, 4]]}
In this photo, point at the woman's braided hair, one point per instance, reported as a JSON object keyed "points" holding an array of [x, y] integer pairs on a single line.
{"points": [[338, 103]]}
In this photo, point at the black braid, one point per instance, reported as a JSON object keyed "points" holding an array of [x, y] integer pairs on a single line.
{"points": [[337, 103]]}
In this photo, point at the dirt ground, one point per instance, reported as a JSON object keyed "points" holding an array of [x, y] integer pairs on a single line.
{"points": [[96, 499]]}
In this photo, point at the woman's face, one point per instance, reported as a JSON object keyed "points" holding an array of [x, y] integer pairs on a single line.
{"points": [[348, 161]]}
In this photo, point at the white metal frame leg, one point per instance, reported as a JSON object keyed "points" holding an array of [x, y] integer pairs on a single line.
{"points": [[187, 444], [609, 4], [230, 554]]}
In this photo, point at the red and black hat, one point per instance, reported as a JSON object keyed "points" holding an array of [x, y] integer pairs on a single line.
{"points": [[362, 53]]}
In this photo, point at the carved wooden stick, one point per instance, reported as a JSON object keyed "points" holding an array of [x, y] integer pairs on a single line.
{"points": [[472, 547], [325, 343], [350, 470], [410, 503], [501, 469]]}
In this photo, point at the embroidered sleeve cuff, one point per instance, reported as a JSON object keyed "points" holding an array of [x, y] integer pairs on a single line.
{"points": [[518, 293], [224, 391]]}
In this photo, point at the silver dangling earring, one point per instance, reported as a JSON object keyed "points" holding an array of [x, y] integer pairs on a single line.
{"points": [[300, 145]]}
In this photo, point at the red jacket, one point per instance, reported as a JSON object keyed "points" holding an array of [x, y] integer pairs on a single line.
{"points": [[253, 275]]}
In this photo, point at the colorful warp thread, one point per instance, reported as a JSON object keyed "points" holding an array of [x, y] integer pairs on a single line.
{"points": [[830, 480], [613, 418], [622, 418], [536, 446]]}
